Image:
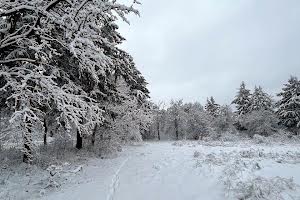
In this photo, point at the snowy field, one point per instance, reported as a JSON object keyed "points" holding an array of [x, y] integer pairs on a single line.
{"points": [[180, 170]]}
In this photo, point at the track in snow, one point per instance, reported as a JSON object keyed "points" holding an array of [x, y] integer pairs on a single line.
{"points": [[115, 181]]}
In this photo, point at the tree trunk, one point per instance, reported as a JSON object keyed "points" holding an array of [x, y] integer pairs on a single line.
{"points": [[158, 133], [45, 132], [79, 140], [201, 136], [27, 156], [94, 135], [176, 129], [45, 139]]}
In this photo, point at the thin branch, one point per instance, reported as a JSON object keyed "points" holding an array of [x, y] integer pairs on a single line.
{"points": [[11, 35], [52, 4], [80, 7], [17, 9], [82, 24], [17, 59], [53, 39], [15, 38]]}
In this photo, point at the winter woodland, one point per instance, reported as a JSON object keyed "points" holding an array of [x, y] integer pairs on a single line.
{"points": [[69, 93]]}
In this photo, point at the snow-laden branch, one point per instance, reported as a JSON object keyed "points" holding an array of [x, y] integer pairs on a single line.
{"points": [[17, 60], [20, 8], [14, 39], [53, 4]]}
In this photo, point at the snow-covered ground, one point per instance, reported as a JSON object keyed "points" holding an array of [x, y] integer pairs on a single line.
{"points": [[180, 170]]}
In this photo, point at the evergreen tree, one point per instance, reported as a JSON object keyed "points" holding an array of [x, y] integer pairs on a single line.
{"points": [[242, 100], [224, 122], [289, 104], [212, 107], [131, 119], [59, 59], [260, 100]]}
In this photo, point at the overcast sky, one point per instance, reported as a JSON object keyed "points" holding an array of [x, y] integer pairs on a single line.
{"points": [[198, 48]]}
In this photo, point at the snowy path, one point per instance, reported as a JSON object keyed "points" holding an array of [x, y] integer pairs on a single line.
{"points": [[157, 171], [115, 181]]}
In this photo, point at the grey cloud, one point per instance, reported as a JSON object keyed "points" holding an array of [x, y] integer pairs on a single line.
{"points": [[194, 49]]}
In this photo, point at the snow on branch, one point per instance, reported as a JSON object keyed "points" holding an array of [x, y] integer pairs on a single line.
{"points": [[59, 61]]}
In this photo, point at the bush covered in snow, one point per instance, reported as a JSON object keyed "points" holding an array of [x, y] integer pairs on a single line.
{"points": [[260, 188], [259, 138], [261, 122], [197, 154]]}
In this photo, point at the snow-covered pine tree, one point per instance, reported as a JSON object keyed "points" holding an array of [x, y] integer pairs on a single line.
{"points": [[132, 116], [242, 99], [260, 100], [212, 107], [289, 104], [225, 121], [60, 55]]}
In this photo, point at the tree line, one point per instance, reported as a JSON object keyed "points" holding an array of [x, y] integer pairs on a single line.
{"points": [[256, 113]]}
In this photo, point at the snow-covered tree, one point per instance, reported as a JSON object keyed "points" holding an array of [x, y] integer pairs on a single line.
{"points": [[224, 121], [289, 104], [176, 119], [242, 100], [212, 107], [198, 122], [260, 100], [261, 122], [182, 121], [129, 119], [158, 120], [62, 56]]}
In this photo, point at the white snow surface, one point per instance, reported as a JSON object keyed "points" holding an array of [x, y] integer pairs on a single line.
{"points": [[182, 170]]}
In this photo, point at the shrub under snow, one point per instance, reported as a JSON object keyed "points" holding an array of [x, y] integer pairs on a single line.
{"points": [[262, 122], [261, 188]]}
